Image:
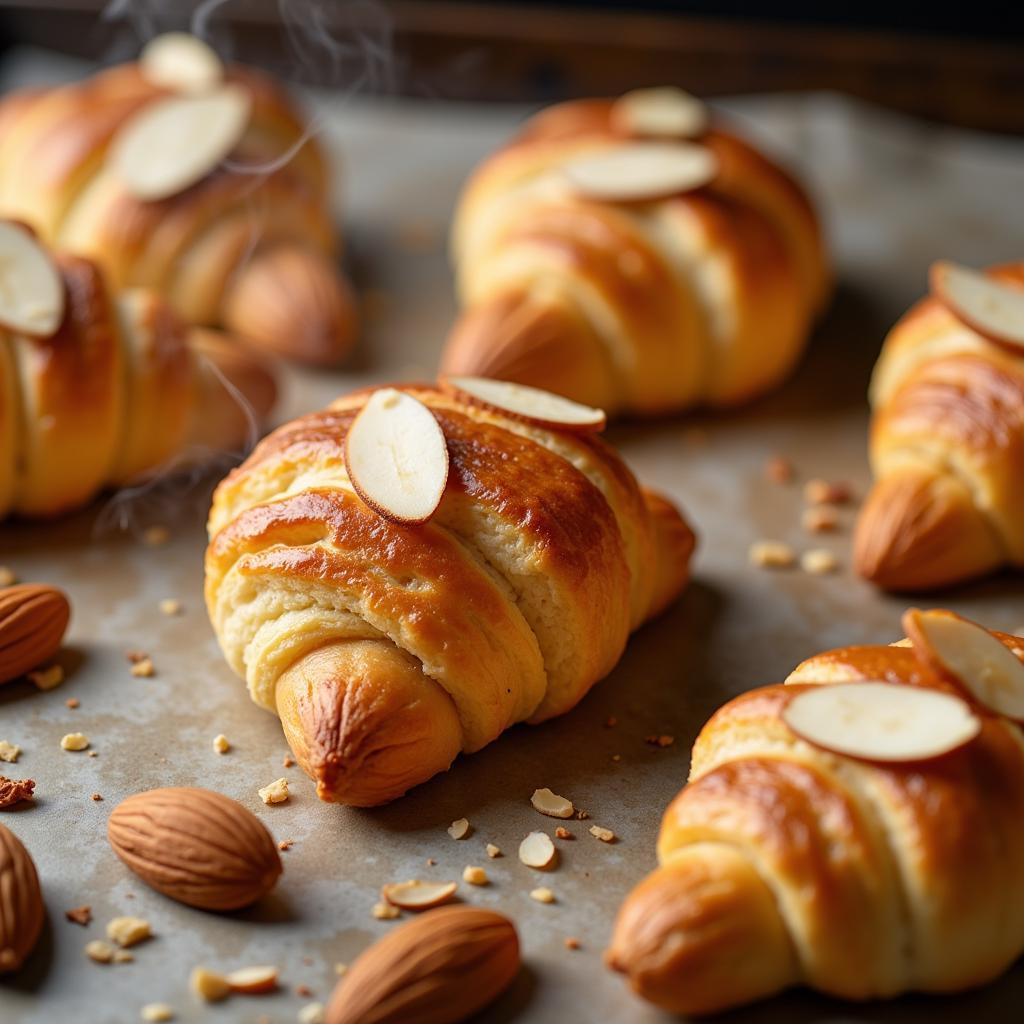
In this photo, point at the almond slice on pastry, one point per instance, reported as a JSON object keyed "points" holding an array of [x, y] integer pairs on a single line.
{"points": [[528, 404], [663, 112], [984, 304], [182, 62], [637, 172], [31, 287]]}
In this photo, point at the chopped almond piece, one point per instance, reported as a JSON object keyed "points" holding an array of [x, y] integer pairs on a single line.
{"points": [[459, 829], [128, 931], [72, 702], [385, 911], [771, 554], [221, 744], [143, 668], [821, 492], [606, 835], [818, 561], [417, 895], [563, 833], [542, 895], [820, 518], [253, 980], [275, 793], [285, 844], [209, 985], [493, 851], [79, 915], [101, 952], [48, 678], [312, 1013], [537, 851], [474, 875], [74, 741], [9, 751], [170, 606], [551, 804], [157, 1012], [571, 942]]}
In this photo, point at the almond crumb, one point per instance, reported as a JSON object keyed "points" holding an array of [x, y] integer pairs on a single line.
{"points": [[312, 1013], [170, 606], [818, 561], [74, 741], [101, 952], [79, 915], [72, 702], [96, 798], [385, 911], [493, 851], [209, 985], [821, 492], [48, 678], [542, 895], [122, 956], [221, 744], [285, 844], [563, 833], [459, 829], [820, 518], [9, 751], [771, 554], [431, 862], [606, 835], [474, 875], [571, 942], [275, 793], [128, 931], [287, 762], [143, 668], [157, 1012], [779, 470]]}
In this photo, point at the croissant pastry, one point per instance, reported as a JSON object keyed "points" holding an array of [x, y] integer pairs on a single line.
{"points": [[248, 245], [947, 449], [783, 863], [118, 389], [631, 292], [387, 648]]}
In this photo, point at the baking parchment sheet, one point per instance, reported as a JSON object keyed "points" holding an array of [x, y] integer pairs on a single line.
{"points": [[895, 195]]}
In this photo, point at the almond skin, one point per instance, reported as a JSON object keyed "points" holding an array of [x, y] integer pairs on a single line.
{"points": [[440, 968], [21, 902], [33, 618], [195, 846]]}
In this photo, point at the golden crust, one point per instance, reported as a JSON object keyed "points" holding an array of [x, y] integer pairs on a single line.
{"points": [[921, 864], [507, 606], [702, 298], [947, 448]]}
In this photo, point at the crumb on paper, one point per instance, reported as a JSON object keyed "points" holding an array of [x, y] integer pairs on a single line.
{"points": [[79, 915], [779, 470], [275, 793], [74, 741], [771, 554], [14, 791], [96, 797], [340, 969], [48, 678], [128, 931], [7, 577], [563, 833], [99, 951], [475, 875], [285, 844], [209, 985], [312, 1013], [660, 740], [582, 815], [157, 1012], [493, 851], [822, 492], [571, 942], [459, 828], [156, 536], [221, 744], [9, 752], [818, 561], [143, 668], [92, 753], [170, 606], [542, 895], [431, 862], [72, 702], [287, 761], [303, 991], [820, 518], [606, 835], [385, 911]]}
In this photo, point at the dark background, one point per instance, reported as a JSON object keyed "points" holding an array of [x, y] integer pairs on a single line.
{"points": [[957, 64]]}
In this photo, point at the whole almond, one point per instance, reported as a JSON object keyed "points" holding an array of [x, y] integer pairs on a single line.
{"points": [[440, 968], [195, 846], [21, 902], [33, 618]]}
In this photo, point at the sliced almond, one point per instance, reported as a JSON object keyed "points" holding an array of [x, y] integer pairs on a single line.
{"points": [[876, 721], [209, 985], [551, 804], [175, 142], [991, 308], [417, 895], [252, 980], [180, 61], [521, 402], [537, 851], [459, 828], [970, 657], [396, 457], [664, 112], [31, 288], [641, 171]]}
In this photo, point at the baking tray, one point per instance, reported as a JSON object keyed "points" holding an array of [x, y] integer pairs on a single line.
{"points": [[895, 194]]}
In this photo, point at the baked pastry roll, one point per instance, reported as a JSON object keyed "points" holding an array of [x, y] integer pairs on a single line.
{"points": [[101, 388], [947, 438], [389, 647], [205, 185], [636, 255], [785, 863]]}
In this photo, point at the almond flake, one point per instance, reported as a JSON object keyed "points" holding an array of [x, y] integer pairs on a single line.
{"points": [[417, 895], [253, 980], [551, 804], [542, 895], [209, 985], [537, 851], [459, 829]]}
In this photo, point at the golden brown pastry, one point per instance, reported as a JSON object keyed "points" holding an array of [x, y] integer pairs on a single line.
{"points": [[250, 245], [783, 863], [388, 648], [631, 292], [947, 450], [119, 390]]}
